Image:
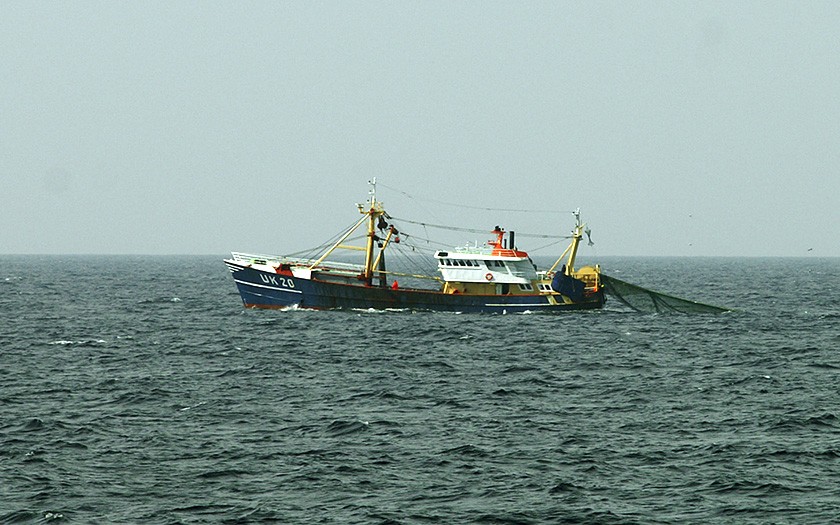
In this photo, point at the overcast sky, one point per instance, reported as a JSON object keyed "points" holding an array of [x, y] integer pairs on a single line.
{"points": [[679, 128]]}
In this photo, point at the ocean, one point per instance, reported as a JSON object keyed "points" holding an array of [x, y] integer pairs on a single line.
{"points": [[138, 390]]}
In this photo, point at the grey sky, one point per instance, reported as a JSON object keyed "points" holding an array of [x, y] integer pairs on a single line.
{"points": [[679, 128]]}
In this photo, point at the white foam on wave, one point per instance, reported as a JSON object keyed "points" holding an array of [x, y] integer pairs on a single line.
{"points": [[381, 310], [292, 308], [193, 406], [64, 342], [369, 311]]}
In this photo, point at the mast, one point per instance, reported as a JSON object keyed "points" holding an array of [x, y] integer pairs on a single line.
{"points": [[577, 233], [373, 213], [572, 249], [379, 263]]}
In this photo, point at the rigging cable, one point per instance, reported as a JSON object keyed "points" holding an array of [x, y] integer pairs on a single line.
{"points": [[483, 208], [473, 230], [313, 252]]}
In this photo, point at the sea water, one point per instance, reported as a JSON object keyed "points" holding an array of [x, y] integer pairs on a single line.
{"points": [[138, 390]]}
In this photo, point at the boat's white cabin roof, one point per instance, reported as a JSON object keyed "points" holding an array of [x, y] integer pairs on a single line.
{"points": [[476, 255]]}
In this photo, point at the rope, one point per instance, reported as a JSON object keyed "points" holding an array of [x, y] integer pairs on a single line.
{"points": [[514, 210], [532, 250], [472, 230]]}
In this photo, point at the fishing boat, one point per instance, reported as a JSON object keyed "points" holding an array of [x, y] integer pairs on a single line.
{"points": [[495, 277]]}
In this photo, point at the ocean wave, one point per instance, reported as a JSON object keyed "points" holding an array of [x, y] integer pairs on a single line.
{"points": [[465, 450], [81, 342], [751, 488], [564, 487], [343, 428], [20, 516], [224, 473], [159, 300], [826, 420]]}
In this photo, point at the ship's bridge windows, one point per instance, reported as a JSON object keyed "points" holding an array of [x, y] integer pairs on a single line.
{"points": [[460, 263]]}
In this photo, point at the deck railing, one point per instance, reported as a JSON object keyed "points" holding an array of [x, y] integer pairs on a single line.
{"points": [[277, 260]]}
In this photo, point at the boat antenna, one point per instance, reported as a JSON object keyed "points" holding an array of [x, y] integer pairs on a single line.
{"points": [[372, 192]]}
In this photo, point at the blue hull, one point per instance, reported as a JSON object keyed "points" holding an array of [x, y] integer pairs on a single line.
{"points": [[260, 289]]}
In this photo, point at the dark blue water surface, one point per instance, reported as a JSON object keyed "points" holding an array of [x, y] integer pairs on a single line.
{"points": [[138, 390]]}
